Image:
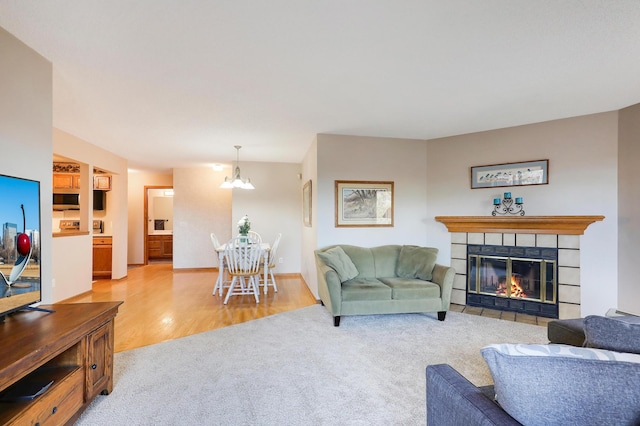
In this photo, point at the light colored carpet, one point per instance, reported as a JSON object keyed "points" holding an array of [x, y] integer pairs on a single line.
{"points": [[296, 368]]}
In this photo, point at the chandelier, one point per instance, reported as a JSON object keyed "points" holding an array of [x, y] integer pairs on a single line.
{"points": [[236, 181]]}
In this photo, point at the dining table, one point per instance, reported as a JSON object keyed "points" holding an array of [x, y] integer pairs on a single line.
{"points": [[266, 247]]}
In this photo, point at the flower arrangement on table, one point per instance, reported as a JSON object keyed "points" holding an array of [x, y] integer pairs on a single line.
{"points": [[244, 226]]}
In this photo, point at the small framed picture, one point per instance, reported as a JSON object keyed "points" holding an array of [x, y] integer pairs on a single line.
{"points": [[364, 203], [510, 174]]}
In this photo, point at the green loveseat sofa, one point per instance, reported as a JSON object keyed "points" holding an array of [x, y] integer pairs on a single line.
{"points": [[388, 279]]}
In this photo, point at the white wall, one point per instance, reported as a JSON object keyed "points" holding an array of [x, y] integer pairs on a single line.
{"points": [[583, 159], [135, 201], [374, 159], [341, 157], [26, 123], [629, 210], [275, 206], [309, 233], [199, 208], [73, 256]]}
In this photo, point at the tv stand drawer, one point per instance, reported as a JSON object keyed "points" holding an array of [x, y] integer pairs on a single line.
{"points": [[57, 405]]}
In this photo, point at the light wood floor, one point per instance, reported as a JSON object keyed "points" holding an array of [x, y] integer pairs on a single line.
{"points": [[162, 304]]}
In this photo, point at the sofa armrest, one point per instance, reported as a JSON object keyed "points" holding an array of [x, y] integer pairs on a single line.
{"points": [[444, 276], [329, 287], [453, 400]]}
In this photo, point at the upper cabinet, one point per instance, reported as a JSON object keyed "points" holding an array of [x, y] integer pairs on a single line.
{"points": [[102, 182], [66, 176], [66, 181]]}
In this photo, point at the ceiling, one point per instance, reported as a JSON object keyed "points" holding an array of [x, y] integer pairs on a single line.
{"points": [[179, 83]]}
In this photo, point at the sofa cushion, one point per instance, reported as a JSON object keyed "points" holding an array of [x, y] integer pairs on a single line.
{"points": [[362, 258], [416, 262], [385, 260], [337, 259], [365, 289], [561, 384], [412, 288], [621, 334]]}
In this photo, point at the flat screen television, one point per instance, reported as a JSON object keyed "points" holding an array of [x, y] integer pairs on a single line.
{"points": [[21, 275]]}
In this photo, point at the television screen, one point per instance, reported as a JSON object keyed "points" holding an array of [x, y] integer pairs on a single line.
{"points": [[20, 274]]}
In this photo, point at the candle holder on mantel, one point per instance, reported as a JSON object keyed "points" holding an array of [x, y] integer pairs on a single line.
{"points": [[507, 206]]}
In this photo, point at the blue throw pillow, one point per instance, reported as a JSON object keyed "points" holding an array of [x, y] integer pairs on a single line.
{"points": [[545, 385], [621, 334]]}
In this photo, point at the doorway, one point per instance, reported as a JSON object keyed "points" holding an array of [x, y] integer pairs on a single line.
{"points": [[158, 224]]}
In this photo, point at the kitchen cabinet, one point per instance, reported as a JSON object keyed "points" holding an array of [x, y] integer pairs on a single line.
{"points": [[102, 182], [160, 246], [102, 257], [66, 181]]}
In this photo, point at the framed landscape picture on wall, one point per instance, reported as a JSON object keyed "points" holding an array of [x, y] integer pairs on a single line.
{"points": [[364, 203]]}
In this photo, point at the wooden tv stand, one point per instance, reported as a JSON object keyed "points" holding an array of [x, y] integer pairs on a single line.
{"points": [[71, 347]]}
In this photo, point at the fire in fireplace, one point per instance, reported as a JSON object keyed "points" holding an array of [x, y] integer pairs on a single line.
{"points": [[519, 279]]}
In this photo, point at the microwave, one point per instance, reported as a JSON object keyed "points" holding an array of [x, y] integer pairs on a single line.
{"points": [[64, 201]]}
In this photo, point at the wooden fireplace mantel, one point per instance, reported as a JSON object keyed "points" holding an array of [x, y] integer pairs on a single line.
{"points": [[561, 225]]}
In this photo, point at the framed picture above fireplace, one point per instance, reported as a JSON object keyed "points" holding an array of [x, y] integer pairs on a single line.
{"points": [[510, 174]]}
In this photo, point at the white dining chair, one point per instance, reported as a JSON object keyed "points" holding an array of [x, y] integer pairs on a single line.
{"points": [[243, 257], [222, 279], [271, 265], [255, 236]]}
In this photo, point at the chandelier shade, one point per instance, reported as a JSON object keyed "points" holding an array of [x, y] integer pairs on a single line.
{"points": [[236, 181]]}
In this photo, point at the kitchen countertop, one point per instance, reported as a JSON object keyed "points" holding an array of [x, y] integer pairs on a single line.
{"points": [[76, 233], [69, 233]]}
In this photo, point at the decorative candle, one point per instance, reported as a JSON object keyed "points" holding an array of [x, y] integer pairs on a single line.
{"points": [[507, 195], [519, 200], [496, 201]]}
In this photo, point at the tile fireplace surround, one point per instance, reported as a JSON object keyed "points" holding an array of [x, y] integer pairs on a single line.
{"points": [[561, 232]]}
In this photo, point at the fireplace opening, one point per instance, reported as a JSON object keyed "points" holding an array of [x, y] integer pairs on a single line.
{"points": [[518, 279]]}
